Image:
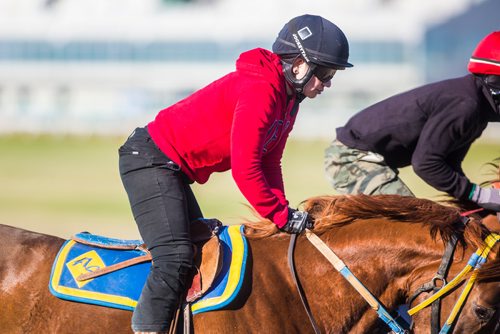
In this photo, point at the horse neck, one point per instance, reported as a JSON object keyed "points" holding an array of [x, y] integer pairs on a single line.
{"points": [[392, 247], [382, 255]]}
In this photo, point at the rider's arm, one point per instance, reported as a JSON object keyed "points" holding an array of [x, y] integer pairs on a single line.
{"points": [[255, 116], [445, 139]]}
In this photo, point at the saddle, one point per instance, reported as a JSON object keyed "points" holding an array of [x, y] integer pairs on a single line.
{"points": [[207, 255], [111, 272]]}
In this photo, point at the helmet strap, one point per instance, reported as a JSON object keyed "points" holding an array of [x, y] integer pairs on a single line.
{"points": [[298, 84]]}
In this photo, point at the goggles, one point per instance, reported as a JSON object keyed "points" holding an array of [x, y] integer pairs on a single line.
{"points": [[495, 93], [493, 84], [324, 74]]}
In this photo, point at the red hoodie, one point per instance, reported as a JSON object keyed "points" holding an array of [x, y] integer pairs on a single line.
{"points": [[239, 122]]}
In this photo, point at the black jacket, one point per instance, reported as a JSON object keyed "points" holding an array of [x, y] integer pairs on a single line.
{"points": [[431, 127]]}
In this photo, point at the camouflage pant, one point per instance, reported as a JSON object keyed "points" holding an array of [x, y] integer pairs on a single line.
{"points": [[352, 171]]}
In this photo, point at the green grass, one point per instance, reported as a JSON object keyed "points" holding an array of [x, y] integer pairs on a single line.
{"points": [[66, 184]]}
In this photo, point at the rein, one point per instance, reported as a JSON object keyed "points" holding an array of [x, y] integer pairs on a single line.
{"points": [[475, 262], [341, 267], [291, 263]]}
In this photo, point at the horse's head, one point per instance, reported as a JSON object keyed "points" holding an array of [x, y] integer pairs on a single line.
{"points": [[481, 313]]}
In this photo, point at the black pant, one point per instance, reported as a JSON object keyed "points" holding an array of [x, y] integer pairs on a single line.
{"points": [[163, 205]]}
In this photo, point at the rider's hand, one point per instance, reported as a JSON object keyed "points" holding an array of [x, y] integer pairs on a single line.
{"points": [[488, 198], [297, 221]]}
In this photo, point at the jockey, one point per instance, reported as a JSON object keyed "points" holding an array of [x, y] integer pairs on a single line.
{"points": [[239, 122], [431, 128]]}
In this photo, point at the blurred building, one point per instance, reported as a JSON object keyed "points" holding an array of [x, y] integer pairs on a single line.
{"points": [[107, 66], [448, 45]]}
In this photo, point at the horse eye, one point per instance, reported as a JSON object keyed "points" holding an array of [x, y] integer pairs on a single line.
{"points": [[483, 313]]}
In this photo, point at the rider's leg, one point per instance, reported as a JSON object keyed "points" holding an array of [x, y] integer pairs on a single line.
{"points": [[353, 171], [161, 201]]}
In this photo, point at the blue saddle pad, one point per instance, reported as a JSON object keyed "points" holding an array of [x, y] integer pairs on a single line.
{"points": [[228, 282], [122, 288]]}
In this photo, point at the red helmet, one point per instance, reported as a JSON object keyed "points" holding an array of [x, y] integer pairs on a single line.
{"points": [[486, 57]]}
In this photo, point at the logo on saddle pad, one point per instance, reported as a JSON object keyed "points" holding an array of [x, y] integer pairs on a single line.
{"points": [[83, 264], [121, 288]]}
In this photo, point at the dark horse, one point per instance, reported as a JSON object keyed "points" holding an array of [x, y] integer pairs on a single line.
{"points": [[392, 244]]}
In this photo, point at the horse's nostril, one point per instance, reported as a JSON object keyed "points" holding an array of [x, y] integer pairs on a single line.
{"points": [[483, 313]]}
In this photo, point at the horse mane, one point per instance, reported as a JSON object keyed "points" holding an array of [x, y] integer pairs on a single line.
{"points": [[331, 211], [442, 217], [328, 211]]}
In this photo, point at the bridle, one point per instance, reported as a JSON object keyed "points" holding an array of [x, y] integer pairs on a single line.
{"points": [[433, 286], [474, 264], [441, 276]]}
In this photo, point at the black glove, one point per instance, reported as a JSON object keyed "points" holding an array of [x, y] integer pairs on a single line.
{"points": [[488, 198], [297, 222]]}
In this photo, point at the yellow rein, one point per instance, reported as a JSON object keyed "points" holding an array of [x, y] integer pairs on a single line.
{"points": [[475, 262]]}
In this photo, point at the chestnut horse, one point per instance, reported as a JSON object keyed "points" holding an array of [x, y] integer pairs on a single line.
{"points": [[392, 244]]}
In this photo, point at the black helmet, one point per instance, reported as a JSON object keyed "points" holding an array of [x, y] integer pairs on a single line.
{"points": [[318, 41]]}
